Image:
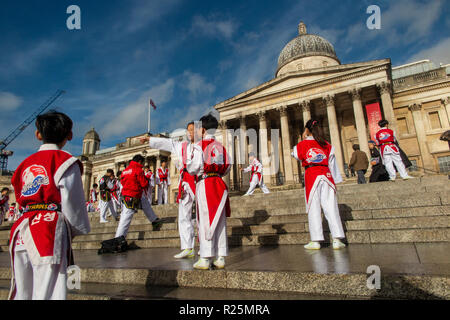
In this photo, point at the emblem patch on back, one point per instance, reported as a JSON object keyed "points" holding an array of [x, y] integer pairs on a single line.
{"points": [[315, 155], [33, 178]]}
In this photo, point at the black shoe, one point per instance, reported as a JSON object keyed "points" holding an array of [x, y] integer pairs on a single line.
{"points": [[157, 224]]}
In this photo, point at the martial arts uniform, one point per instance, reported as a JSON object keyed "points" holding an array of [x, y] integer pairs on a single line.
{"points": [[115, 195], [256, 179], [48, 186], [106, 202], [321, 174], [146, 198], [93, 198], [186, 187], [134, 183], [390, 153], [163, 181], [4, 207], [12, 213], [210, 162]]}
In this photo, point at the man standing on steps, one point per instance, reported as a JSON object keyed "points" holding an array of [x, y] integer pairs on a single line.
{"points": [[133, 183], [163, 181], [209, 161], [106, 186], [256, 179], [359, 162], [186, 188], [390, 153]]}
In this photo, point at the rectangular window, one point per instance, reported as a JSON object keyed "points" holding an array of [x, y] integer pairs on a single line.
{"points": [[435, 121], [444, 164], [402, 125]]}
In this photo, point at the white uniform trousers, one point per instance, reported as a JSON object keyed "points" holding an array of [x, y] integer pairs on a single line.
{"points": [[254, 183], [41, 282], [324, 197], [116, 205], [103, 207], [389, 159], [148, 210], [185, 224], [218, 245], [162, 193]]}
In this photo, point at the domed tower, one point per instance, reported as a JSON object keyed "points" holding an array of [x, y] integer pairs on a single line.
{"points": [[91, 142], [306, 51]]}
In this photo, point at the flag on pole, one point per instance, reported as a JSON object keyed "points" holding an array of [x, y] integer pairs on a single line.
{"points": [[152, 104]]}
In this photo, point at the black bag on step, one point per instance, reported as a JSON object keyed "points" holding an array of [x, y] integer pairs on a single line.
{"points": [[115, 245]]}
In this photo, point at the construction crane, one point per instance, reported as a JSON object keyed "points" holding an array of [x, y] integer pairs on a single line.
{"points": [[4, 154]]}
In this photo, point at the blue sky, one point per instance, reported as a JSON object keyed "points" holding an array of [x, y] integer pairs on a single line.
{"points": [[186, 55]]}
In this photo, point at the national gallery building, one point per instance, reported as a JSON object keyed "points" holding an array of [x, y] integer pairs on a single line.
{"points": [[310, 81]]}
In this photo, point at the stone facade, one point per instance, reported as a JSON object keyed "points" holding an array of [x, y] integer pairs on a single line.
{"points": [[417, 107]]}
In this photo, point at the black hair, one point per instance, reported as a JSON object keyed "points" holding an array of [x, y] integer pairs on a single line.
{"points": [[119, 173], [95, 185], [314, 127], [146, 167], [110, 171], [355, 147], [209, 122], [138, 158], [5, 189], [252, 154], [54, 126], [191, 122], [383, 123]]}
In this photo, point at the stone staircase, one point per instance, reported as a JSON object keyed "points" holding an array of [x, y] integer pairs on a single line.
{"points": [[417, 210]]}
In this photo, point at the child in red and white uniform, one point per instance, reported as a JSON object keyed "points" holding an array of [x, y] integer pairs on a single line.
{"points": [[209, 161], [107, 185], [390, 154], [133, 183], [49, 188], [321, 174], [186, 188], [4, 205], [93, 197], [12, 212], [256, 179], [163, 182], [147, 199]]}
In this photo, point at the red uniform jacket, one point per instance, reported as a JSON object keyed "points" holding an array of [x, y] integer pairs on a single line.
{"points": [[133, 181], [385, 137], [163, 175], [185, 176], [315, 158]]}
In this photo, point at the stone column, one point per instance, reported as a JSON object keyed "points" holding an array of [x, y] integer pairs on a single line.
{"points": [[223, 128], [386, 100], [427, 158], [306, 110], [288, 172], [263, 152], [360, 120], [446, 103], [243, 152], [334, 131]]}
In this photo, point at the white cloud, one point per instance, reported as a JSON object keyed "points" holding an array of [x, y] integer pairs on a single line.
{"points": [[133, 115], [439, 53], [214, 26], [9, 101], [196, 84]]}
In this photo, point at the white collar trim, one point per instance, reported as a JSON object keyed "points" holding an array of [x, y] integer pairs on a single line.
{"points": [[49, 146]]}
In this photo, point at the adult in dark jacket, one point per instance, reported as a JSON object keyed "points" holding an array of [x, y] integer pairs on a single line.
{"points": [[379, 172], [359, 163]]}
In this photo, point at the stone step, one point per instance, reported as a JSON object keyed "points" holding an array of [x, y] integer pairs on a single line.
{"points": [[281, 238], [124, 283]]}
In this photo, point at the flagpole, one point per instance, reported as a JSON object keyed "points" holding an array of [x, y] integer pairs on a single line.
{"points": [[148, 120]]}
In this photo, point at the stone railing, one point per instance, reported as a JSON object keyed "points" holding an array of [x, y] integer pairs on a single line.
{"points": [[416, 79]]}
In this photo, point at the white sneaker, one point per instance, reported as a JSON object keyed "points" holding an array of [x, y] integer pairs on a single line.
{"points": [[219, 263], [338, 244], [407, 178], [202, 264], [390, 179], [186, 253], [313, 245], [103, 221]]}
